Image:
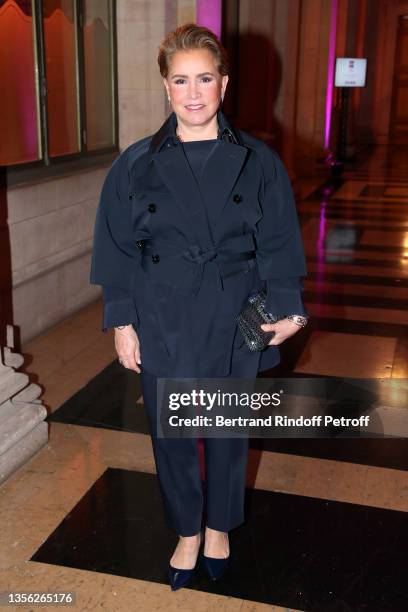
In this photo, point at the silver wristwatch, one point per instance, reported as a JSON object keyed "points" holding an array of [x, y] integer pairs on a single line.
{"points": [[122, 326], [298, 319]]}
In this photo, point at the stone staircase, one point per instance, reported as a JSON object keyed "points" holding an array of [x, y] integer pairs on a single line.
{"points": [[23, 430]]}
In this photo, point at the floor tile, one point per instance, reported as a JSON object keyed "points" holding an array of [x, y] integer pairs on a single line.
{"points": [[333, 354], [293, 551]]}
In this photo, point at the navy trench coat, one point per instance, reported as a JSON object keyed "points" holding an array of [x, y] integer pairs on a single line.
{"points": [[178, 259]]}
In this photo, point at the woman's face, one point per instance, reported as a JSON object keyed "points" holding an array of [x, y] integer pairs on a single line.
{"points": [[195, 86]]}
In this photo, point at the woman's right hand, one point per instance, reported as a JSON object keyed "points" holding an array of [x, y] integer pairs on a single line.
{"points": [[128, 347]]}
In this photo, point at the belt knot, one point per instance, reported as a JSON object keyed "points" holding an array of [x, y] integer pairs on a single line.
{"points": [[195, 254]]}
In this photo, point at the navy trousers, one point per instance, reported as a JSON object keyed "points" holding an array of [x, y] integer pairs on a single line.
{"points": [[187, 507]]}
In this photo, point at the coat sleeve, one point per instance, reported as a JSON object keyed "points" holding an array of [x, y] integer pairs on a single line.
{"points": [[115, 255], [280, 254]]}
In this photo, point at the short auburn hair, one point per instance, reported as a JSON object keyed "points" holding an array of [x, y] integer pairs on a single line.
{"points": [[191, 36]]}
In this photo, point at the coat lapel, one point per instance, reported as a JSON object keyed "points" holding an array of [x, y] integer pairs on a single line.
{"points": [[219, 176]]}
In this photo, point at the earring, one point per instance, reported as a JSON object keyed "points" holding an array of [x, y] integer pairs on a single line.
{"points": [[169, 102]]}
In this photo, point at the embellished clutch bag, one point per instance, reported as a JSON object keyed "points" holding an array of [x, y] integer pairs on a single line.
{"points": [[251, 319]]}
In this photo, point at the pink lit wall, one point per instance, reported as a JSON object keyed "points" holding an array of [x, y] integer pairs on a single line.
{"points": [[330, 71], [209, 15]]}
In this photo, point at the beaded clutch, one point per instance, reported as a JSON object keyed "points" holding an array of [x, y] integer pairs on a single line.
{"points": [[251, 319]]}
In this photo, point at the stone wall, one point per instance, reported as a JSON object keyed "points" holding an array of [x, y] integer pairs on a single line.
{"points": [[51, 226], [282, 76]]}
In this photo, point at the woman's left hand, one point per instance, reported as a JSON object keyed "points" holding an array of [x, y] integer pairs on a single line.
{"points": [[283, 329]]}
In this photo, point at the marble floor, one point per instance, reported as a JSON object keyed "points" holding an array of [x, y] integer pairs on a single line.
{"points": [[326, 528]]}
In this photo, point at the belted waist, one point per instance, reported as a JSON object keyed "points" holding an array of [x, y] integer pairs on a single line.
{"points": [[229, 257]]}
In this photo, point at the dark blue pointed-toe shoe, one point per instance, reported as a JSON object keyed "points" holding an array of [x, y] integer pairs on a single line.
{"points": [[216, 567], [178, 578]]}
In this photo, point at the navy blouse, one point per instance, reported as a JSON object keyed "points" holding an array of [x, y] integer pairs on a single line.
{"points": [[197, 152]]}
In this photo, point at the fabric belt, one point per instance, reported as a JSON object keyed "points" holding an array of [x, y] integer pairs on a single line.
{"points": [[229, 257]]}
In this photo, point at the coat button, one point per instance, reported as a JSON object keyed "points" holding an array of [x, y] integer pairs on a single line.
{"points": [[237, 198], [140, 244], [152, 208], [131, 196], [155, 258]]}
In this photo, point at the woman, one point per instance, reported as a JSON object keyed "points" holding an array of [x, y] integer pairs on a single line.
{"points": [[191, 221]]}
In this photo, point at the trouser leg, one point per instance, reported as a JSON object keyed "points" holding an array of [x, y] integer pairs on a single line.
{"points": [[225, 467], [178, 469]]}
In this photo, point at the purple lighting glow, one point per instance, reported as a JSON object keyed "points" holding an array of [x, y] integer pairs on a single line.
{"points": [[209, 15], [330, 72]]}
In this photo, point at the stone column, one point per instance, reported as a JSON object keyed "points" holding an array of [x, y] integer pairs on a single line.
{"points": [[315, 20], [22, 428]]}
